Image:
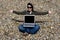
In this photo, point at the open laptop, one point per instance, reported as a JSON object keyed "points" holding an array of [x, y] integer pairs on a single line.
{"points": [[29, 21]]}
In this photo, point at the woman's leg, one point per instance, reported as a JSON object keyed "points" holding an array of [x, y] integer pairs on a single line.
{"points": [[34, 29], [31, 30], [21, 28]]}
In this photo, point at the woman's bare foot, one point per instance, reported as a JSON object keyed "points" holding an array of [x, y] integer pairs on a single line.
{"points": [[25, 34]]}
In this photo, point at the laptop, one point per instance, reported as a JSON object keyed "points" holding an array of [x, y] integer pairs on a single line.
{"points": [[29, 21]]}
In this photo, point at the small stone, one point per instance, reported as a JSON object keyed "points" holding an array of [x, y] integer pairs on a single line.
{"points": [[13, 39]]}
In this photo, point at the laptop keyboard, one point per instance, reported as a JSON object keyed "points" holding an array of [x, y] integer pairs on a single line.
{"points": [[28, 25]]}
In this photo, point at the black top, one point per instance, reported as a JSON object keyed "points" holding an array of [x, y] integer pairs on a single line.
{"points": [[28, 13]]}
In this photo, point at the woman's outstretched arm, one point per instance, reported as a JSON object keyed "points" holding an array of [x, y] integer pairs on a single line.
{"points": [[43, 13], [17, 12]]}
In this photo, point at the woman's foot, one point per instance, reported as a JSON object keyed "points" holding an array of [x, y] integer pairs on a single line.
{"points": [[25, 34]]}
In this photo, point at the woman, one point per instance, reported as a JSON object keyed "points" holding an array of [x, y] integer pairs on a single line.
{"points": [[29, 11]]}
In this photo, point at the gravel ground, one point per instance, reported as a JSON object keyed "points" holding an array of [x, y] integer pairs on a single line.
{"points": [[49, 30]]}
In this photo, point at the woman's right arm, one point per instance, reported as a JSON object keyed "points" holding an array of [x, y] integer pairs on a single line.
{"points": [[18, 13]]}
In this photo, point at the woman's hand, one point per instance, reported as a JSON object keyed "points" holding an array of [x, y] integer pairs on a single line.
{"points": [[49, 12], [11, 11]]}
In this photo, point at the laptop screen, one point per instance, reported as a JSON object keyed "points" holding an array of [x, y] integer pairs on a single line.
{"points": [[29, 19]]}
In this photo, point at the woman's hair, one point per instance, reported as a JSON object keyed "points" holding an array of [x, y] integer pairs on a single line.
{"points": [[30, 5]]}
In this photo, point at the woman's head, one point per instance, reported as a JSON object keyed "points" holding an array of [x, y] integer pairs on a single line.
{"points": [[30, 7]]}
